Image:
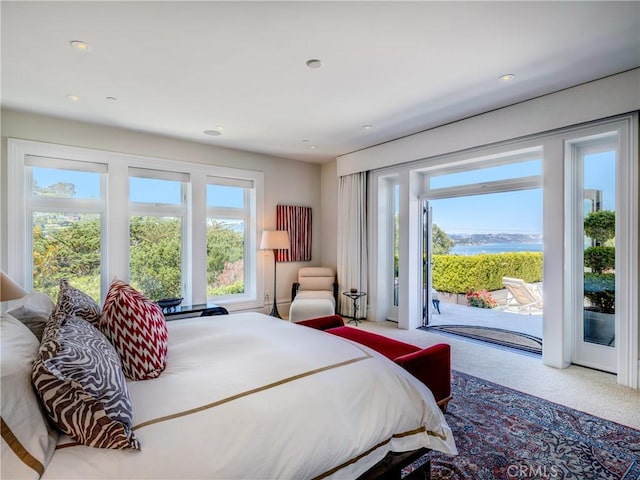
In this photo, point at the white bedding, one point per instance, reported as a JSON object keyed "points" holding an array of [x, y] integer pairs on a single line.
{"points": [[248, 396]]}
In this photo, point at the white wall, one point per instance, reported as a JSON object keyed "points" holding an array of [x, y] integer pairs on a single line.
{"points": [[603, 98], [286, 181]]}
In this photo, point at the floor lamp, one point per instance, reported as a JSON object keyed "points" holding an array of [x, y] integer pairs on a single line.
{"points": [[275, 240]]}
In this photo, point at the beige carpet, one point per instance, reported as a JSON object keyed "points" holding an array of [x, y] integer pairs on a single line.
{"points": [[581, 388]]}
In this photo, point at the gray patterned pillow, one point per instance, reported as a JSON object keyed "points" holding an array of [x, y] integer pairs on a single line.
{"points": [[74, 302], [34, 312], [79, 378]]}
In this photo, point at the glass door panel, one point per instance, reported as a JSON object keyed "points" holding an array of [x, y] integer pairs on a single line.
{"points": [[594, 257], [427, 242], [599, 249]]}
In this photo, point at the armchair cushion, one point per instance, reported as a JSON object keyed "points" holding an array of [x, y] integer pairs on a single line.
{"points": [[316, 295], [316, 278]]}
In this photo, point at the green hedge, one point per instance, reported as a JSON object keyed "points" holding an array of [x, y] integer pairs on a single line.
{"points": [[463, 273]]}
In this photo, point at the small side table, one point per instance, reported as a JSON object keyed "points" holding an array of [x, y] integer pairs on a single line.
{"points": [[202, 309], [355, 297]]}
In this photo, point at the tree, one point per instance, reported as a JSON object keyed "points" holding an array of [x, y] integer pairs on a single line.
{"points": [[599, 284], [225, 246], [600, 226], [66, 246], [155, 256], [441, 243]]}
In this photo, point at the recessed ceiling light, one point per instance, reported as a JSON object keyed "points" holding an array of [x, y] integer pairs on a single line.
{"points": [[367, 127], [314, 63], [312, 147], [73, 98], [79, 45], [213, 133], [506, 77]]}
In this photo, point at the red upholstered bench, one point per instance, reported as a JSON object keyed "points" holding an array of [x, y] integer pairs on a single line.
{"points": [[432, 365]]}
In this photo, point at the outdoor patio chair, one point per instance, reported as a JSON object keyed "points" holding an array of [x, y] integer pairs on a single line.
{"points": [[521, 296]]}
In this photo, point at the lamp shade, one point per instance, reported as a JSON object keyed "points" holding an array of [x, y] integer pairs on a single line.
{"points": [[9, 289], [275, 240]]}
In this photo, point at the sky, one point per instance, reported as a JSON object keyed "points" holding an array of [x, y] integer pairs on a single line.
{"points": [[509, 212], [146, 190]]}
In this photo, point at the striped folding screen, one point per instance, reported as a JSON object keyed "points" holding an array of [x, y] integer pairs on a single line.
{"points": [[296, 221]]}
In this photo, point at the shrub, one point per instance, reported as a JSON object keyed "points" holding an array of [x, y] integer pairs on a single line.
{"points": [[464, 273], [481, 299], [599, 259], [600, 289], [237, 287]]}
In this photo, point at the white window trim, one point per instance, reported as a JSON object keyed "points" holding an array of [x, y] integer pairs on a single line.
{"points": [[250, 260], [627, 330], [116, 261], [162, 210], [45, 204]]}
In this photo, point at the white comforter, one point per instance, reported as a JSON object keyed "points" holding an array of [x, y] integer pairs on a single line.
{"points": [[247, 396]]}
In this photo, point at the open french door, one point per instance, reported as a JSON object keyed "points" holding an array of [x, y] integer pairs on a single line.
{"points": [[427, 225], [593, 196]]}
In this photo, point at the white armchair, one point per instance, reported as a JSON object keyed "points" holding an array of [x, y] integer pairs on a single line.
{"points": [[314, 294], [315, 282]]}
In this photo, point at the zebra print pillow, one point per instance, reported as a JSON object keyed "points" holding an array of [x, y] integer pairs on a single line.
{"points": [[79, 378], [74, 302]]}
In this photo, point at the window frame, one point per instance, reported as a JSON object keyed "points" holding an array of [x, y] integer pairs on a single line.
{"points": [[163, 210], [244, 214], [115, 236], [37, 204]]}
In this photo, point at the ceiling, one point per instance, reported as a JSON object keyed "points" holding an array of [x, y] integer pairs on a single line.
{"points": [[180, 68]]}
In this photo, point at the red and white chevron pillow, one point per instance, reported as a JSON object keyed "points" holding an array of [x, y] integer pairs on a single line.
{"points": [[136, 327]]}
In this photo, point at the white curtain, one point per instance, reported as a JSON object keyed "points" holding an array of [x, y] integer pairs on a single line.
{"points": [[352, 241]]}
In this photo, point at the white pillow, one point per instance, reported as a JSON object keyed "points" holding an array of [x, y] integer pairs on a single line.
{"points": [[28, 441], [34, 312]]}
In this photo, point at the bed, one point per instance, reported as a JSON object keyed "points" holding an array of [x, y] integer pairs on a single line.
{"points": [[251, 396]]}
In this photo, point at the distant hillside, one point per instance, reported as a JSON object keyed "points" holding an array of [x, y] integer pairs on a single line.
{"points": [[484, 238]]}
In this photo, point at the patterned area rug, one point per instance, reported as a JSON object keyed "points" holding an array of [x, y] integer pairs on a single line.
{"points": [[506, 338], [506, 434]]}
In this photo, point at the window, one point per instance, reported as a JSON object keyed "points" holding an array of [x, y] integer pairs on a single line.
{"points": [[171, 229], [65, 205], [228, 211], [396, 241], [156, 232]]}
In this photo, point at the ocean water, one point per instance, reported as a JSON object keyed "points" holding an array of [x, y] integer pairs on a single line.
{"points": [[495, 248]]}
